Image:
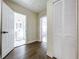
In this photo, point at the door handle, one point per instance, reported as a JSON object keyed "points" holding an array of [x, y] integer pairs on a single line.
{"points": [[4, 32]]}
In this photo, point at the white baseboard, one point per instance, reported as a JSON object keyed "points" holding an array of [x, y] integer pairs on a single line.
{"points": [[32, 41], [49, 54], [6, 52]]}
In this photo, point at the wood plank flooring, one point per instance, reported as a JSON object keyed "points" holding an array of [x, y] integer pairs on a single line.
{"points": [[36, 50]]}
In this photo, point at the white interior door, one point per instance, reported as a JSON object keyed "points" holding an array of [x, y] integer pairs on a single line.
{"points": [[58, 28], [7, 30], [70, 30], [65, 29]]}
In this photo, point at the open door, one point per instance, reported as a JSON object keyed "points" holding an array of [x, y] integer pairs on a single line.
{"points": [[7, 30]]}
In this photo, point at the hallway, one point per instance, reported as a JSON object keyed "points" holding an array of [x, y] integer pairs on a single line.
{"points": [[57, 36], [34, 50]]}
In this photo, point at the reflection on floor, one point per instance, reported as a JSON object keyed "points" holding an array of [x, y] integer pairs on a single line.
{"points": [[44, 39], [36, 50], [19, 42]]}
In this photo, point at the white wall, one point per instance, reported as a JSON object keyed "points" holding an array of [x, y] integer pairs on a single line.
{"points": [[49, 29], [32, 19], [43, 13]]}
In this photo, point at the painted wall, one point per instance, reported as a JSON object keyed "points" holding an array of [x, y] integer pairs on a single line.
{"points": [[32, 19], [49, 29], [43, 13]]}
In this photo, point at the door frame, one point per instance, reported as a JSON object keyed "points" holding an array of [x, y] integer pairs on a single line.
{"points": [[77, 23], [1, 29], [25, 27]]}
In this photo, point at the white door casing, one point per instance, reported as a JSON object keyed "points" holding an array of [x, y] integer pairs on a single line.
{"points": [[0, 27]]}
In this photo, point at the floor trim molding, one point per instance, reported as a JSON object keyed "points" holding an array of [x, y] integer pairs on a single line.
{"points": [[49, 57], [26, 44], [8, 53]]}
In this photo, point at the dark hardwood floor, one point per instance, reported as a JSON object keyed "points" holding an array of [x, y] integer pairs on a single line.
{"points": [[36, 50]]}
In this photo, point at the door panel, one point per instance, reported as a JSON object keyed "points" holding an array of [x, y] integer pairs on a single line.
{"points": [[7, 30], [58, 29], [70, 30]]}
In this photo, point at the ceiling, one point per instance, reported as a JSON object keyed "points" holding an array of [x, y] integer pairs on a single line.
{"points": [[33, 5]]}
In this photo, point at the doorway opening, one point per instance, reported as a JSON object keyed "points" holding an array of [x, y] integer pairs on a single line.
{"points": [[43, 29], [19, 29]]}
